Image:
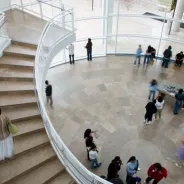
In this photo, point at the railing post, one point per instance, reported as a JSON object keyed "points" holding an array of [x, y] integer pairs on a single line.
{"points": [[22, 6], [72, 20], [41, 12]]}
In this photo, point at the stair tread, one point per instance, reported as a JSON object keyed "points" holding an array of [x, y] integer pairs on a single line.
{"points": [[17, 61], [20, 164], [16, 85], [29, 141], [15, 72], [63, 178], [42, 173], [13, 48], [30, 125], [12, 99], [21, 112]]}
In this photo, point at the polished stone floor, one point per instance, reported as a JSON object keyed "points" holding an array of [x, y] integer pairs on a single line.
{"points": [[109, 94]]}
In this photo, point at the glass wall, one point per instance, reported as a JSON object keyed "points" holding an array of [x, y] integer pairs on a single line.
{"points": [[118, 26]]}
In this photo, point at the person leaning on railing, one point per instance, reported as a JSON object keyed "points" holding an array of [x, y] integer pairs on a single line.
{"points": [[179, 59]]}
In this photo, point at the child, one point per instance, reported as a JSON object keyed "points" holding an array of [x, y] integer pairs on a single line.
{"points": [[93, 157], [159, 105], [150, 110], [138, 55]]}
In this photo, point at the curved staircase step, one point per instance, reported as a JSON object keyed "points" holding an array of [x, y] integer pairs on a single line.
{"points": [[42, 174], [20, 50], [12, 62], [24, 163], [22, 113], [63, 178], [29, 141], [15, 73], [12, 100], [29, 126]]}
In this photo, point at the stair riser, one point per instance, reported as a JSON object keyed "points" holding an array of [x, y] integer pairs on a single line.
{"points": [[19, 55], [18, 105], [25, 79], [17, 92], [33, 168], [25, 118], [30, 68], [27, 133], [53, 177], [24, 44]]}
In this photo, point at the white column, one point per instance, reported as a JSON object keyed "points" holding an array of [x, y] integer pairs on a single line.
{"points": [[178, 15], [108, 8], [5, 4]]}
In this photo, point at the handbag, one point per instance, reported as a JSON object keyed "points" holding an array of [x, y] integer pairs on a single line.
{"points": [[11, 127]]}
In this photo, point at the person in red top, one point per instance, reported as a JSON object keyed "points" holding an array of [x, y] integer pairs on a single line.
{"points": [[156, 173]]}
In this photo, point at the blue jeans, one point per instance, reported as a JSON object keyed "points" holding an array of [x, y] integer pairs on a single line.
{"points": [[177, 105], [139, 60], [94, 163], [165, 62], [147, 59], [151, 95]]}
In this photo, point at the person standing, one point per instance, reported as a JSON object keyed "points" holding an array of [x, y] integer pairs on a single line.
{"points": [[167, 55], [6, 140], [179, 59], [138, 55], [159, 105], [112, 170], [89, 49], [147, 55], [132, 167], [180, 154], [156, 173], [150, 110], [152, 89], [71, 53], [179, 98], [93, 157], [48, 91]]}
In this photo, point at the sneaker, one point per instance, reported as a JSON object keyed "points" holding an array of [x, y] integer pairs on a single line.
{"points": [[138, 169], [145, 182], [144, 121]]}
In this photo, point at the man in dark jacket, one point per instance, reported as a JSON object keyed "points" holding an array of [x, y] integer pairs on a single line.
{"points": [[48, 91], [179, 59], [167, 55]]}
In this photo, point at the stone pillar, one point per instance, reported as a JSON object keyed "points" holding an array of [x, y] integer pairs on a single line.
{"points": [[178, 15], [5, 4]]}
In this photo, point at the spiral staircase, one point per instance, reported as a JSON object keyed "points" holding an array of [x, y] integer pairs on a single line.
{"points": [[34, 160]]}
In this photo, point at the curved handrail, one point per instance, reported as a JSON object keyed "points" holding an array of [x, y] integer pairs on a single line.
{"points": [[42, 63]]}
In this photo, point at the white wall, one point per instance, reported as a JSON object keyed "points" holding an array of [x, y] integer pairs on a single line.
{"points": [[5, 4]]}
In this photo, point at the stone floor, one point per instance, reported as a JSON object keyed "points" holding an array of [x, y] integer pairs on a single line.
{"points": [[109, 95]]}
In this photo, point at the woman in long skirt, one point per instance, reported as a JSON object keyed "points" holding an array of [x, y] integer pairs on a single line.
{"points": [[6, 140]]}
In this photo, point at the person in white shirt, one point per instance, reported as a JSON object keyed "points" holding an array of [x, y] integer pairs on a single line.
{"points": [[93, 157], [71, 53], [159, 105]]}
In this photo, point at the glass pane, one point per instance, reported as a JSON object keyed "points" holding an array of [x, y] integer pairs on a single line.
{"points": [[112, 26], [111, 42], [88, 28], [130, 44], [139, 25]]}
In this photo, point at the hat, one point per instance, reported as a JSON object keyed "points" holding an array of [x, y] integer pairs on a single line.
{"points": [[137, 179]]}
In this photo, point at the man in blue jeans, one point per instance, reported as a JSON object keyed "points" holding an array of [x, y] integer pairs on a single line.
{"points": [[179, 98], [167, 56], [93, 157]]}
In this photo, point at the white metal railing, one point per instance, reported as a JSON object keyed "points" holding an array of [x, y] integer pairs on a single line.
{"points": [[46, 44]]}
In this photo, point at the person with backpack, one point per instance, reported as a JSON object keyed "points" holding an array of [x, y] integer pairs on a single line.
{"points": [[89, 49], [179, 98], [131, 167], [150, 110], [159, 105], [167, 56], [156, 173], [152, 89], [147, 55], [138, 55]]}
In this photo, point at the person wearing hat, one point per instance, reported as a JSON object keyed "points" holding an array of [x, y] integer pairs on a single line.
{"points": [[167, 56]]}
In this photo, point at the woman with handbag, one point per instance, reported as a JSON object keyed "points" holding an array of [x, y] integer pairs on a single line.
{"points": [[6, 140]]}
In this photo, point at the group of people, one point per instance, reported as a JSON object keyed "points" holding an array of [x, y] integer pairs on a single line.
{"points": [[150, 55], [155, 172]]}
